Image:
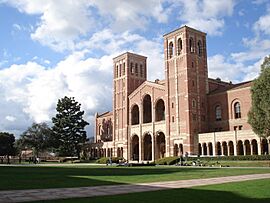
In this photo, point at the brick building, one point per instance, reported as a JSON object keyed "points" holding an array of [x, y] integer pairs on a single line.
{"points": [[186, 112]]}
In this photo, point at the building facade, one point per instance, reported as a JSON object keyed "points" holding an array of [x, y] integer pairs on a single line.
{"points": [[187, 112]]}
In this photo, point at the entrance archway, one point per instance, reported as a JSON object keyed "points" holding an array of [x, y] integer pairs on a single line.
{"points": [[161, 145], [240, 149], [147, 147], [135, 148]]}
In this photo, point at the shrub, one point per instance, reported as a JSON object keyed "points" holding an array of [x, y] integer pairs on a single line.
{"points": [[168, 160], [105, 160]]}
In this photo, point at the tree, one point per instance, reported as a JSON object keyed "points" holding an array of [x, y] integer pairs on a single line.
{"points": [[259, 114], [69, 127], [38, 137], [7, 141]]}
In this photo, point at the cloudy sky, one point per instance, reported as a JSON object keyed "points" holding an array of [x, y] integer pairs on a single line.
{"points": [[53, 48]]}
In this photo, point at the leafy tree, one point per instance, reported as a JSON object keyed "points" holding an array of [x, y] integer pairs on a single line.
{"points": [[7, 141], [69, 127], [38, 137], [259, 115]]}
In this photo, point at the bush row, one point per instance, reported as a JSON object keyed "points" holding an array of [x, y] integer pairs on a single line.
{"points": [[174, 160], [105, 160], [232, 158]]}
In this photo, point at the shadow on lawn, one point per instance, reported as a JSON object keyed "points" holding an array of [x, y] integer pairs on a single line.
{"points": [[185, 195], [33, 177]]}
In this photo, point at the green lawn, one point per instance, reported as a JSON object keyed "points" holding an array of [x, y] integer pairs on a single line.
{"points": [[30, 177], [256, 191]]}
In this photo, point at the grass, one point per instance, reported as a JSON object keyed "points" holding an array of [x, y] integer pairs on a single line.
{"points": [[76, 175], [256, 191]]}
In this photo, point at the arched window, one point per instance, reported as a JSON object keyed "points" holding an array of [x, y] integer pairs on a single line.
{"points": [[218, 113], [136, 68], [199, 48], [120, 70], [147, 109], [193, 103], [237, 110], [170, 50], [141, 70], [191, 45], [160, 110], [135, 115], [179, 46], [116, 71], [131, 68]]}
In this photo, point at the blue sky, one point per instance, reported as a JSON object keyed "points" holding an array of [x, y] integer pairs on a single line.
{"points": [[49, 49]]}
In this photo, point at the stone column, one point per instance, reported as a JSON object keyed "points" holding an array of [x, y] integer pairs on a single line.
{"points": [[245, 149], [222, 149], [259, 148], [140, 148], [251, 148], [208, 150], [235, 149], [214, 148], [228, 149], [153, 147], [202, 150]]}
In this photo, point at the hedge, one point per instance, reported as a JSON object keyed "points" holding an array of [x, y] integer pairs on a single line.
{"points": [[175, 159], [232, 158], [105, 160]]}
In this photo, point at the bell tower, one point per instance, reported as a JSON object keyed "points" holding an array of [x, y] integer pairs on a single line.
{"points": [[186, 87], [129, 73]]}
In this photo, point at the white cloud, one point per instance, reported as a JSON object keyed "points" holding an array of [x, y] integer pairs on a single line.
{"points": [[207, 15], [63, 22], [11, 118], [263, 24], [132, 14], [34, 90]]}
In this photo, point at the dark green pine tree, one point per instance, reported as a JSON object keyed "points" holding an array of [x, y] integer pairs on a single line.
{"points": [[68, 127], [259, 114]]}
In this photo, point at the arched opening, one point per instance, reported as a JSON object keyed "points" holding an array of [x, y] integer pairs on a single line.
{"points": [[247, 147], [179, 46], [218, 148], [237, 110], [224, 148], [161, 146], [231, 149], [191, 45], [218, 113], [147, 147], [210, 148], [175, 150], [160, 110], [204, 149], [240, 149], [135, 148], [121, 152], [171, 50], [199, 48], [147, 109], [118, 152], [199, 149], [181, 151], [135, 115], [254, 146], [264, 146]]}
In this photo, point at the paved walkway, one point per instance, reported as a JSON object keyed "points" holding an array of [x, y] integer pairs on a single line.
{"points": [[61, 193]]}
